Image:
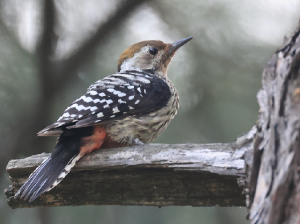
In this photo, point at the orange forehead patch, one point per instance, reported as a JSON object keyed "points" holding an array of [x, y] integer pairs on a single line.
{"points": [[129, 52]]}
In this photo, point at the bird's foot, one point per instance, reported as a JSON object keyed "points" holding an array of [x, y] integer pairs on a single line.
{"points": [[136, 141]]}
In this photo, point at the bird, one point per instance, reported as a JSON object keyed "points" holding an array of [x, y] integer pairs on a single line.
{"points": [[131, 107]]}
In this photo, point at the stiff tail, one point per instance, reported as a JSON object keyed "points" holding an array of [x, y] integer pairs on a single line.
{"points": [[71, 146], [49, 174]]}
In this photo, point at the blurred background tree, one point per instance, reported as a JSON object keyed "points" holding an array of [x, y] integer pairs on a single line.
{"points": [[51, 51]]}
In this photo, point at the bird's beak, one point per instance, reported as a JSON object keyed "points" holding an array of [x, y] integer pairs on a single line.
{"points": [[176, 45]]}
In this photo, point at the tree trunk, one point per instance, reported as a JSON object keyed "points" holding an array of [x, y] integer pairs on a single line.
{"points": [[274, 186]]}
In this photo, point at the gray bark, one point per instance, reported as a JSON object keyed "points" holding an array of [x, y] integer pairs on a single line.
{"points": [[155, 174], [274, 186]]}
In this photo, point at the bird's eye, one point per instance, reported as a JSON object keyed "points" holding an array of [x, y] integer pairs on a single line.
{"points": [[153, 51]]}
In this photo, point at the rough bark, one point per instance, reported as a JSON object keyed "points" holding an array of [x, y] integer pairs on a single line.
{"points": [[274, 186], [155, 174]]}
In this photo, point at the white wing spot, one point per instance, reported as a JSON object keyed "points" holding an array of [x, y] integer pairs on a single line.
{"points": [[131, 108], [109, 101], [102, 94], [74, 105], [100, 114], [116, 92], [106, 106], [145, 91], [121, 94], [130, 87], [121, 101], [66, 114], [111, 90], [136, 102], [96, 101], [112, 115], [115, 110], [93, 108], [81, 107], [93, 93], [131, 97], [139, 89], [86, 99]]}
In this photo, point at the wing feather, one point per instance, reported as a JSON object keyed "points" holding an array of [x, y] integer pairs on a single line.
{"points": [[114, 97]]}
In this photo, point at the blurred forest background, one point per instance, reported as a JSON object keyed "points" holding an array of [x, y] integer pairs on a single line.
{"points": [[51, 51]]}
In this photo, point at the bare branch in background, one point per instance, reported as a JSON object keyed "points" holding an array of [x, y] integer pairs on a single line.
{"points": [[69, 66], [46, 45]]}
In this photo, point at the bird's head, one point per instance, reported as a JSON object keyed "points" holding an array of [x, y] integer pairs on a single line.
{"points": [[149, 56]]}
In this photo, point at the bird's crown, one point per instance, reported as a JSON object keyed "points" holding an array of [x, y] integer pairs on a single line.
{"points": [[151, 56]]}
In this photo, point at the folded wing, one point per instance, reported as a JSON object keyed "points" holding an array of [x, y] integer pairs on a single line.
{"points": [[114, 97]]}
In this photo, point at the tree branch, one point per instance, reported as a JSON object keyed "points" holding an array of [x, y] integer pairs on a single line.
{"points": [[155, 174]]}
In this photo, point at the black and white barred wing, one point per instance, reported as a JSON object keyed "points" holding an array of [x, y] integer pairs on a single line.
{"points": [[114, 97]]}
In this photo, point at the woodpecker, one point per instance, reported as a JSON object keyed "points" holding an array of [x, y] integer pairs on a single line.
{"points": [[131, 107]]}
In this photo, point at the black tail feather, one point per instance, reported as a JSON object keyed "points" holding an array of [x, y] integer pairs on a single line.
{"points": [[56, 167], [32, 180], [44, 177]]}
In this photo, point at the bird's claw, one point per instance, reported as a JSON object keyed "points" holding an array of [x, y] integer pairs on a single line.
{"points": [[136, 141]]}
